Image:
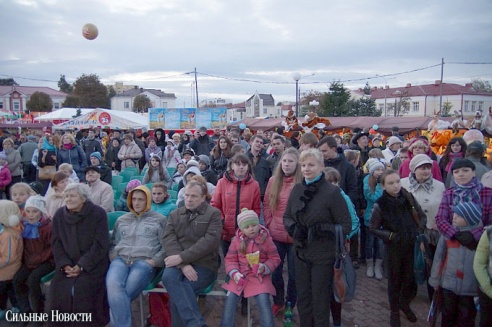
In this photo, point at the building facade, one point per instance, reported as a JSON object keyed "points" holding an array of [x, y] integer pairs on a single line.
{"points": [[262, 105], [158, 99], [14, 98]]}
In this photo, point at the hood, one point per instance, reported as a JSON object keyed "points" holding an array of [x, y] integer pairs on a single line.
{"points": [[146, 190], [335, 161], [229, 175], [191, 169]]}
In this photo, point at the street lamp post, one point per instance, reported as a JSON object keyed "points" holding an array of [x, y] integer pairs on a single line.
{"points": [[297, 77]]}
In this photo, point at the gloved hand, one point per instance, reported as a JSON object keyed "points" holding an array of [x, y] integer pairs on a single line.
{"points": [[467, 239], [258, 268], [238, 278]]}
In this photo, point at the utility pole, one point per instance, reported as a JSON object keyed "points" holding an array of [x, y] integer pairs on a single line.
{"points": [[196, 89], [440, 85]]}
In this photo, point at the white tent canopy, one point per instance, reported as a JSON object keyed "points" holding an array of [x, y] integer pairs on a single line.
{"points": [[106, 118], [62, 114]]}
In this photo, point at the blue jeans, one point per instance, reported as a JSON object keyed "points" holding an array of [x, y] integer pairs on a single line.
{"points": [[262, 301], [124, 283], [285, 249], [374, 246], [184, 307]]}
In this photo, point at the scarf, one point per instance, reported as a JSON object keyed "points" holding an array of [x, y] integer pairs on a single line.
{"points": [[30, 230], [469, 192], [47, 146], [68, 146], [452, 157], [414, 184], [314, 180]]}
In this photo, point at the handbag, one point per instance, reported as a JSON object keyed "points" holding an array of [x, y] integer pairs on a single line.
{"points": [[47, 172], [344, 277], [422, 263]]}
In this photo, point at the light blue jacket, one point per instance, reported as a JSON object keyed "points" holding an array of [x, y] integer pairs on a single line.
{"points": [[353, 215], [371, 198]]}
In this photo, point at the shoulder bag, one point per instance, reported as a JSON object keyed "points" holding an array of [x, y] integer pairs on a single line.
{"points": [[344, 277]]}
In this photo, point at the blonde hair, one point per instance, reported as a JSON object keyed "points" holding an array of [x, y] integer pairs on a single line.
{"points": [[242, 246], [66, 167], [70, 136], [22, 186], [314, 153], [279, 176]]}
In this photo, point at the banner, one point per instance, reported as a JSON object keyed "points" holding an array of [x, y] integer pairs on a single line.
{"points": [[187, 118]]}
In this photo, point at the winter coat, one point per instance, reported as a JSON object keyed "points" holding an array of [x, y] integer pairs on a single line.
{"points": [[112, 156], [156, 177], [11, 248], [75, 157], [274, 217], [38, 250], [457, 268], [102, 195], [371, 197], [348, 181], [54, 201], [202, 145], [219, 165], [26, 150], [353, 216], [482, 264], [231, 196], [310, 221], [261, 171], [138, 236], [133, 151], [105, 171], [90, 146], [5, 177], [405, 171], [152, 151], [235, 260], [171, 158], [165, 207], [81, 238], [194, 236], [14, 162]]}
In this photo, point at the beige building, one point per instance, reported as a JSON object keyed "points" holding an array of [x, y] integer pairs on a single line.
{"points": [[14, 98]]}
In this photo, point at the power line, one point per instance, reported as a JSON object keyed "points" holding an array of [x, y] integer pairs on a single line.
{"points": [[468, 63]]}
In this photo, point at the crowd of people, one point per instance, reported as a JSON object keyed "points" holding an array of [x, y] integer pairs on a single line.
{"points": [[252, 201]]}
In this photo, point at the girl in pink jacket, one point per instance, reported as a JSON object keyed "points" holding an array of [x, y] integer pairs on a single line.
{"points": [[252, 257]]}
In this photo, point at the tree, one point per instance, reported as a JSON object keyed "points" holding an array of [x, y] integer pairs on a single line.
{"points": [[91, 92], [141, 103], [8, 82], [479, 85], [71, 101], [64, 86], [364, 106], [307, 98], [334, 103], [40, 101], [111, 92], [401, 105], [446, 109], [367, 89]]}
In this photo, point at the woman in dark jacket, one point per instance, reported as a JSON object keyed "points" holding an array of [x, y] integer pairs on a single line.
{"points": [[160, 135], [72, 154], [80, 245], [313, 209], [397, 219], [221, 154], [47, 157], [185, 143], [111, 157]]}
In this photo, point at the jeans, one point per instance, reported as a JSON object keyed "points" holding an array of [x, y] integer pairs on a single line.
{"points": [[27, 282], [374, 246], [285, 249], [124, 283], [262, 301], [184, 307]]}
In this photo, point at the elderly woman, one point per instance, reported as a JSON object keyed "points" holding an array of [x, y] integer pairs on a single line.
{"points": [[466, 189], [313, 209], [428, 193], [13, 163], [73, 154], [135, 252], [80, 245], [419, 146]]}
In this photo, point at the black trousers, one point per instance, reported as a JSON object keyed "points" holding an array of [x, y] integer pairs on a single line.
{"points": [[457, 310], [402, 287], [314, 284], [27, 282], [7, 293], [485, 309]]}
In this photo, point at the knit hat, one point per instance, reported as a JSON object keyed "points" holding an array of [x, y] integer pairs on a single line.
{"points": [[373, 164], [9, 213], [132, 184], [392, 140], [247, 217], [462, 163], [97, 155], [192, 162], [38, 202], [93, 168], [3, 155], [171, 141], [475, 147], [205, 159], [419, 160], [471, 212]]}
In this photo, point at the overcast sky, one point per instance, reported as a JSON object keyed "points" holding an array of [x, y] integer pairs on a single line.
{"points": [[154, 43]]}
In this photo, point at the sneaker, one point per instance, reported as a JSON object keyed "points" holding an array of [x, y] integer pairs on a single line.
{"points": [[276, 308]]}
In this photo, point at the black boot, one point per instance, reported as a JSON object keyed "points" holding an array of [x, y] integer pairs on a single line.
{"points": [[244, 307], [408, 313], [395, 319]]}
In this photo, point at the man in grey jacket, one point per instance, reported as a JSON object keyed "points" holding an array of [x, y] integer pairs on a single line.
{"points": [[26, 151], [135, 252]]}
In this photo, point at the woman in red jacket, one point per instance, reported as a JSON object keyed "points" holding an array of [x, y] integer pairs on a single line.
{"points": [[236, 190], [286, 175]]}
